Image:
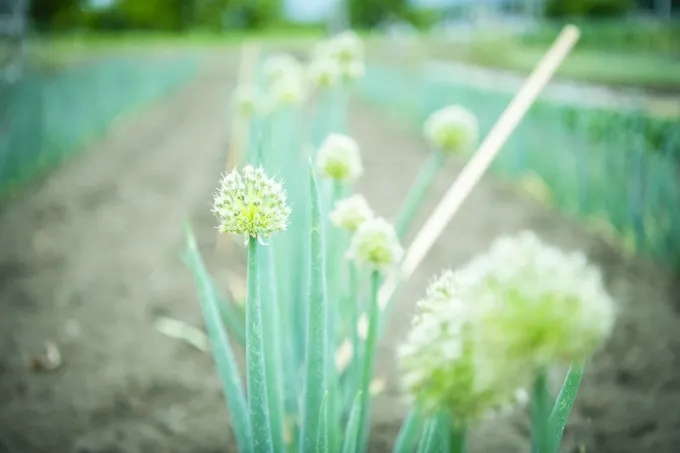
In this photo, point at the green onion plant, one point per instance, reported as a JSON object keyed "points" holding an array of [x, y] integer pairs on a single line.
{"points": [[483, 337]]}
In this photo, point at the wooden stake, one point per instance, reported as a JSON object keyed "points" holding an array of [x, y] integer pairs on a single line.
{"points": [[478, 164]]}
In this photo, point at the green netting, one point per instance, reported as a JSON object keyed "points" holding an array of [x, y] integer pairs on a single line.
{"points": [[622, 167], [45, 117]]}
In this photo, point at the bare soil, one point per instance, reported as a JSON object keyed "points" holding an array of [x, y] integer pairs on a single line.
{"points": [[90, 257]]}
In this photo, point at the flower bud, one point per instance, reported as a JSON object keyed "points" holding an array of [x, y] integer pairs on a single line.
{"points": [[351, 212], [375, 245], [451, 130], [339, 158], [280, 66], [324, 72], [246, 100]]}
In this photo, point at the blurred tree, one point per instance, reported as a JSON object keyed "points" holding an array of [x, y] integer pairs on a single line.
{"points": [[55, 14], [369, 13], [588, 8]]}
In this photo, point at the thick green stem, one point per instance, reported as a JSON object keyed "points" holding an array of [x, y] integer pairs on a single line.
{"points": [[255, 372], [418, 190], [274, 348], [369, 353], [539, 413], [563, 405], [458, 438], [333, 414]]}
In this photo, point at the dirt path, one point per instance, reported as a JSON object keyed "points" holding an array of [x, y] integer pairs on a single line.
{"points": [[90, 258]]}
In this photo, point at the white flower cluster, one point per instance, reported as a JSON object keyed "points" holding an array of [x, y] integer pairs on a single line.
{"points": [[339, 158], [444, 366], [252, 205], [324, 72], [375, 245], [481, 332], [351, 212], [452, 130], [538, 301], [246, 101], [341, 58], [285, 80]]}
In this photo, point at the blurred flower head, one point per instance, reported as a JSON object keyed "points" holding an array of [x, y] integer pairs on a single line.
{"points": [[352, 70], [375, 245], [452, 130], [538, 303], [324, 72], [339, 158], [246, 100], [351, 212], [280, 66], [286, 91], [444, 364], [346, 46], [252, 204]]}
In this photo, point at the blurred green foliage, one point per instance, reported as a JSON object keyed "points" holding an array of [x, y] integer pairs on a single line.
{"points": [[588, 8], [165, 15], [369, 13], [620, 35]]}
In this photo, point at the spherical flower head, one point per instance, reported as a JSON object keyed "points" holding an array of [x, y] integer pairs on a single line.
{"points": [[324, 72], [339, 158], [246, 100], [251, 204], [280, 66], [538, 302], [351, 212], [353, 70], [346, 47], [375, 245], [452, 130], [444, 365], [286, 91]]}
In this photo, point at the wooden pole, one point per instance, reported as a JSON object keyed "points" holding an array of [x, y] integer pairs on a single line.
{"points": [[478, 164]]}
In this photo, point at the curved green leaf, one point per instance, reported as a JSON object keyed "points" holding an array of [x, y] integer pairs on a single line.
{"points": [[221, 349], [315, 356], [352, 431], [409, 433]]}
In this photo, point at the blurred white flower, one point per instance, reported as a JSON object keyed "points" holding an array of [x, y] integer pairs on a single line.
{"points": [[452, 130], [286, 91], [280, 66], [351, 212], [339, 158], [324, 72], [375, 245], [444, 364], [252, 205], [353, 70], [538, 303], [346, 46], [246, 100]]}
